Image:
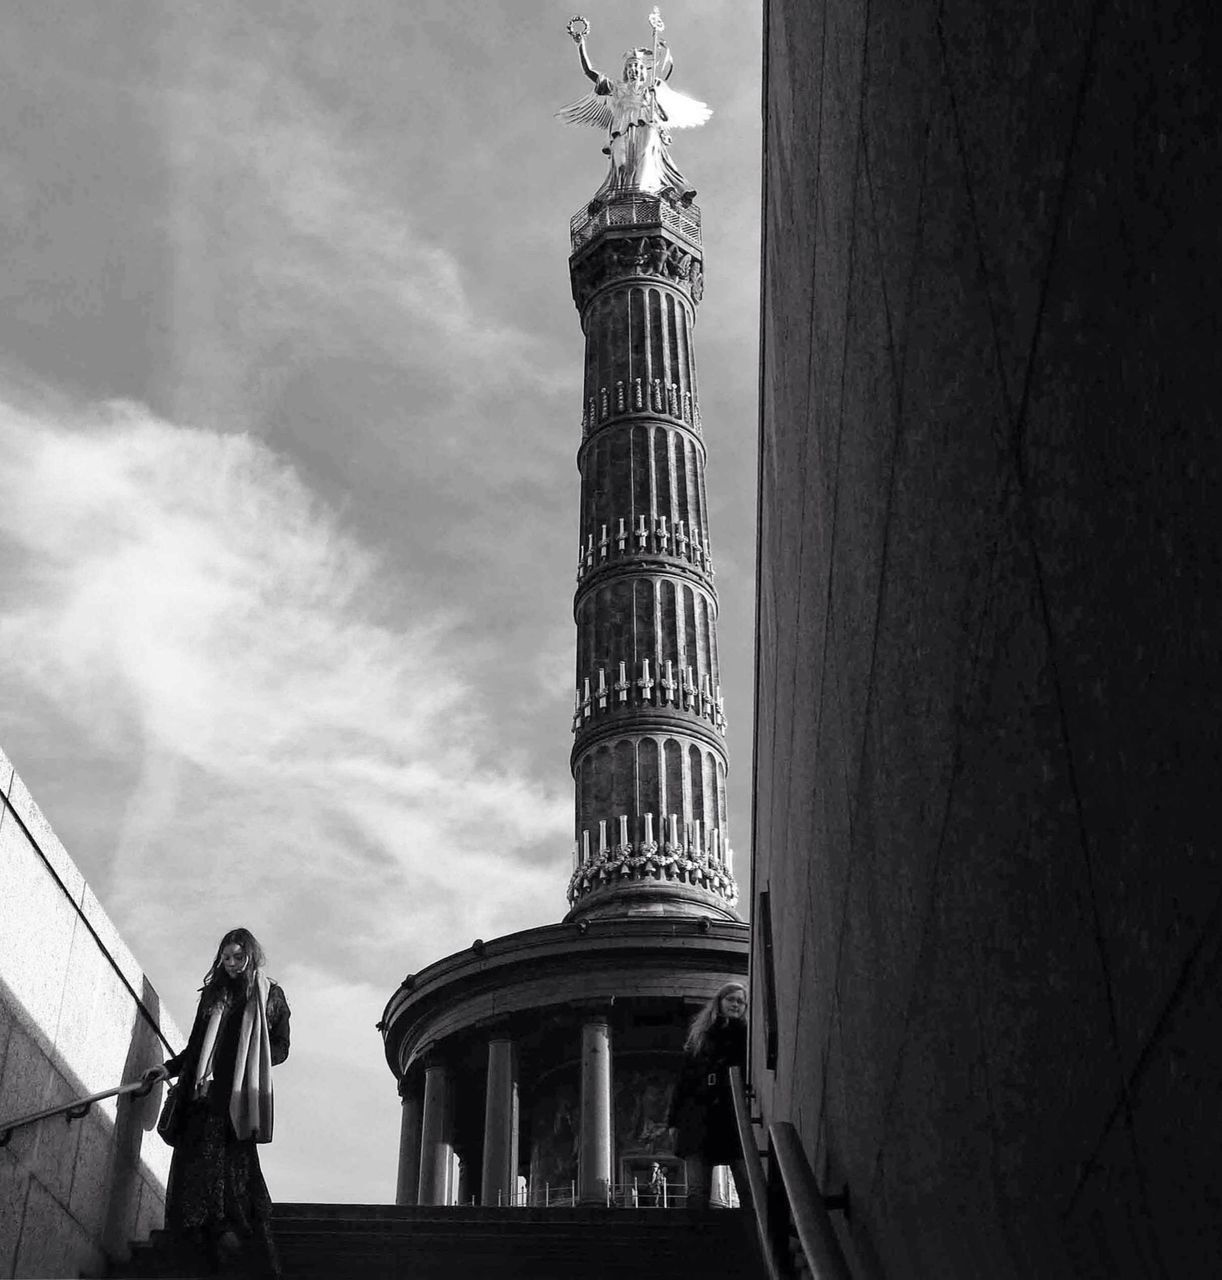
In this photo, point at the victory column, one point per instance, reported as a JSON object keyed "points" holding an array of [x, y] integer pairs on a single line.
{"points": [[649, 762], [546, 1057]]}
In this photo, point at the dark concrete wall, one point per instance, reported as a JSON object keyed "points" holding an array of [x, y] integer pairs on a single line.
{"points": [[988, 679]]}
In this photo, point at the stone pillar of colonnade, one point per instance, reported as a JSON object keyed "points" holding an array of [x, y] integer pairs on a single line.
{"points": [[500, 1169], [594, 1152], [463, 1180], [436, 1137], [408, 1184]]}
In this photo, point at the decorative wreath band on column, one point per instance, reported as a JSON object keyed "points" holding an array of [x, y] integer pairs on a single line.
{"points": [[649, 861]]}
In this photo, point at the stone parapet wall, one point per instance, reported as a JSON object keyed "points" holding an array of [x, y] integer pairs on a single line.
{"points": [[77, 1016]]}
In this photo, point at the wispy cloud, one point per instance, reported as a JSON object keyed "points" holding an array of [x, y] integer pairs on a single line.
{"points": [[304, 747], [186, 602], [289, 243]]}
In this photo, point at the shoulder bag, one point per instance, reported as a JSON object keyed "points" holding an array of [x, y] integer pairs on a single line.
{"points": [[168, 1121]]}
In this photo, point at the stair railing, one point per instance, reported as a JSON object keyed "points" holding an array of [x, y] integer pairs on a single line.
{"points": [[77, 1109], [808, 1206], [757, 1183], [799, 1201]]}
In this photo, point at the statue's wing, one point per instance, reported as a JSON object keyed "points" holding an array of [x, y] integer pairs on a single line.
{"points": [[594, 109], [681, 112]]}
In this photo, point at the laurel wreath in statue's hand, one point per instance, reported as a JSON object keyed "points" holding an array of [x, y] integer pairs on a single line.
{"points": [[578, 32]]}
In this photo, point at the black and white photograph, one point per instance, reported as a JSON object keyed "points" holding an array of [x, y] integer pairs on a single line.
{"points": [[609, 639]]}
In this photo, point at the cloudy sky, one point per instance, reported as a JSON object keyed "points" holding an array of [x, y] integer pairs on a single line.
{"points": [[289, 404]]}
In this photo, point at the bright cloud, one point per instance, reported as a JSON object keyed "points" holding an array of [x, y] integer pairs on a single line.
{"points": [[304, 747], [305, 734]]}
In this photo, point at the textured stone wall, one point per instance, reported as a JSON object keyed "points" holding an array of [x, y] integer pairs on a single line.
{"points": [[989, 687], [70, 1025]]}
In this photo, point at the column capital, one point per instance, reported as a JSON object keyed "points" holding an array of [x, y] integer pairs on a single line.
{"points": [[593, 1012], [431, 1058], [505, 1028]]}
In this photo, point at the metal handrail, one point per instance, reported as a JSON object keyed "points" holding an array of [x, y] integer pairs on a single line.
{"points": [[78, 1109], [808, 1206], [757, 1187]]}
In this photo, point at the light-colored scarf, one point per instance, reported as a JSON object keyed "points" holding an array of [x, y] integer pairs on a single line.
{"points": [[250, 1102]]}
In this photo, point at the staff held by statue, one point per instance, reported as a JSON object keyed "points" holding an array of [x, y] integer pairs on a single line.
{"points": [[655, 21]]}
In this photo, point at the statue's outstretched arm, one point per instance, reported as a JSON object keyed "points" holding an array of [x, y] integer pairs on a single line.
{"points": [[591, 74]]}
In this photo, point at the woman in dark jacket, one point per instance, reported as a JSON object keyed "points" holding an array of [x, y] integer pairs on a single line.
{"points": [[702, 1109], [216, 1196]]}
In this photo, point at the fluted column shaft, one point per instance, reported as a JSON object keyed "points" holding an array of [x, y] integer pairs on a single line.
{"points": [[408, 1183], [500, 1170], [594, 1152], [649, 761], [436, 1143]]}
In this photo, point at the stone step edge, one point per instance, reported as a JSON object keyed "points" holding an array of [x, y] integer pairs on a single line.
{"points": [[458, 1213], [609, 1231]]}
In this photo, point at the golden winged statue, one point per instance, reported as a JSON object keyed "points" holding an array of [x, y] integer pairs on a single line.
{"points": [[638, 113]]}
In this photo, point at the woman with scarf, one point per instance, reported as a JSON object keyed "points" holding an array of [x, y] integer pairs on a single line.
{"points": [[702, 1108], [216, 1196]]}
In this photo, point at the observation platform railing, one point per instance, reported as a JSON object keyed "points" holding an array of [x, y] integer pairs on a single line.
{"points": [[632, 210], [622, 1195]]}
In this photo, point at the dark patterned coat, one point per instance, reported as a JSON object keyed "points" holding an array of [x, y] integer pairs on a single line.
{"points": [[215, 1183]]}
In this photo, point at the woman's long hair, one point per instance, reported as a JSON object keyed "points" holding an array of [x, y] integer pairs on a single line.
{"points": [[702, 1023], [254, 960]]}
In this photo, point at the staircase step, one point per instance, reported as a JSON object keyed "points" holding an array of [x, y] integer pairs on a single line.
{"points": [[445, 1268], [159, 1257], [506, 1234], [445, 1264], [500, 1244], [493, 1248], [389, 1242], [290, 1211]]}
